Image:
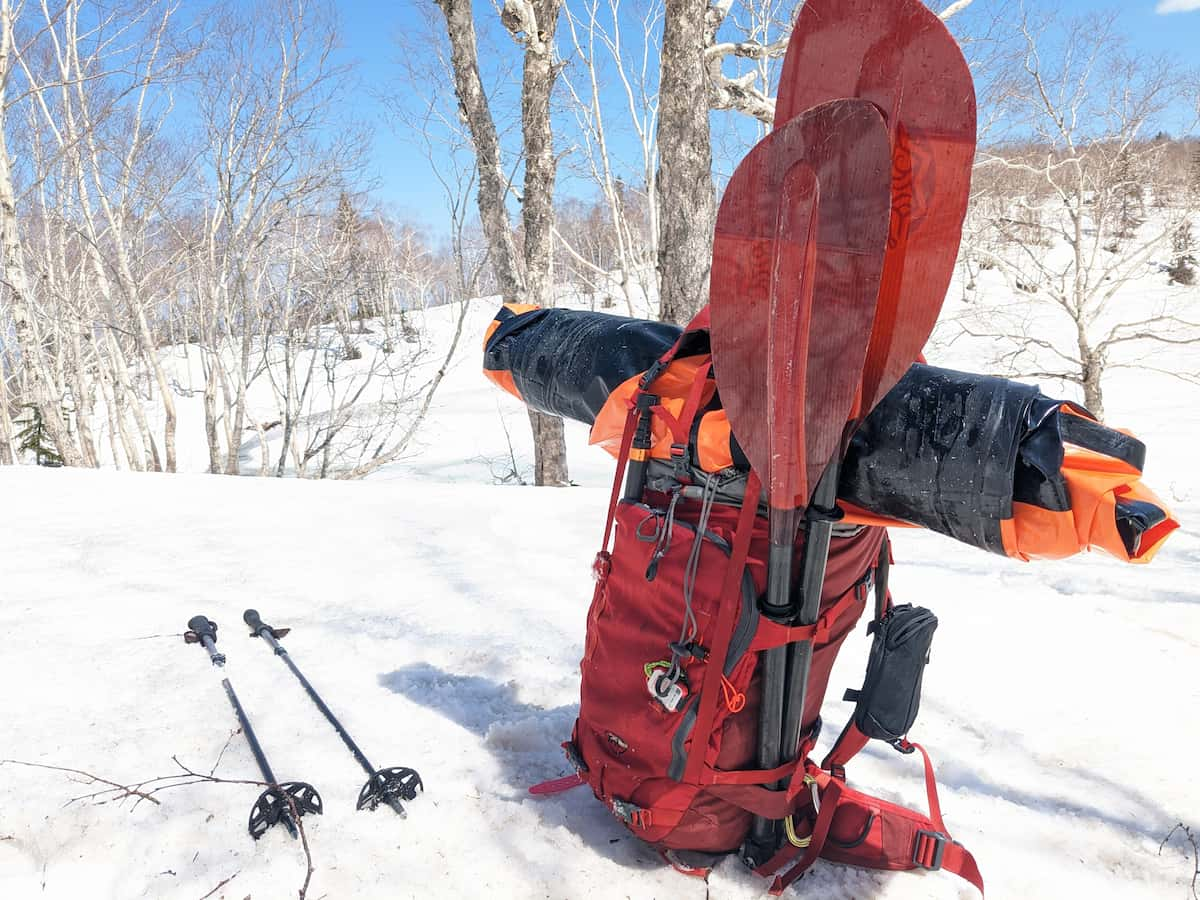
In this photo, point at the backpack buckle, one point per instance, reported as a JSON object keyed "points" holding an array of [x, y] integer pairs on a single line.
{"points": [[631, 814], [901, 745], [929, 849], [574, 757]]}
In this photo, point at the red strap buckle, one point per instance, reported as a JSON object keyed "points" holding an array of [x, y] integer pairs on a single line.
{"points": [[643, 818]]}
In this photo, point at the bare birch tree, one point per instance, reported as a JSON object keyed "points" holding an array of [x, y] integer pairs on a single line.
{"points": [[1064, 221], [275, 146], [29, 343], [99, 83], [602, 55], [527, 278]]}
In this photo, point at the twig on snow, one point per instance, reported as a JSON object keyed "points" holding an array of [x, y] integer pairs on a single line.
{"points": [[1191, 839], [122, 790], [219, 886], [187, 776]]}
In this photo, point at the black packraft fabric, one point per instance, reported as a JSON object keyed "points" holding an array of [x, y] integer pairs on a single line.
{"points": [[948, 451], [943, 450], [566, 362]]}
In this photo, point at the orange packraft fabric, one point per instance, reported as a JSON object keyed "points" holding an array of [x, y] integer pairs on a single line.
{"points": [[1094, 483]]}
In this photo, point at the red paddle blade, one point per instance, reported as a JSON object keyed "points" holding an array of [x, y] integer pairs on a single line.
{"points": [[793, 270], [789, 376], [898, 55]]}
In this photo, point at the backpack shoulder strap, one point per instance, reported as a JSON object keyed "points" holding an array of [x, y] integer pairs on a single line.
{"points": [[851, 740]]}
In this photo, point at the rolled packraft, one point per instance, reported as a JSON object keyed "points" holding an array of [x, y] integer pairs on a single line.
{"points": [[990, 462]]}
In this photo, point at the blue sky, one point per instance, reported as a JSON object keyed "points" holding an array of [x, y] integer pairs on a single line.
{"points": [[371, 30]]}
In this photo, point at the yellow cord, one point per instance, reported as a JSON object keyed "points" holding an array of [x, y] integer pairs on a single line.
{"points": [[791, 834]]}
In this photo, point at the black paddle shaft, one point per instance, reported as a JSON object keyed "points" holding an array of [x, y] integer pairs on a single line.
{"points": [[821, 516]]}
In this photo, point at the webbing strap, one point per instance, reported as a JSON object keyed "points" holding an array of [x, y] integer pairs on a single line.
{"points": [[773, 634], [931, 794], [681, 428], [844, 749], [698, 324], [957, 860], [618, 477], [852, 740], [751, 776], [758, 800], [820, 833], [731, 590], [929, 849]]}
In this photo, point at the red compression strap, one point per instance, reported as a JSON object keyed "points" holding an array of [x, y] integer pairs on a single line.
{"points": [[935, 808], [957, 860], [758, 800], [847, 746], [772, 634], [751, 776], [723, 633], [622, 459], [829, 801]]}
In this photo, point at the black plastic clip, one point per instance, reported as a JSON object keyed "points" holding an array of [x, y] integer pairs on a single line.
{"points": [[645, 402], [690, 650], [651, 374], [901, 745]]}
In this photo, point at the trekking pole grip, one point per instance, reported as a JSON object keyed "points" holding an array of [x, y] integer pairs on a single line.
{"points": [[203, 631], [259, 628], [203, 627], [254, 620]]}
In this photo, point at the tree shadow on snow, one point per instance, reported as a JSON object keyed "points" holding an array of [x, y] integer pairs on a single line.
{"points": [[525, 741]]}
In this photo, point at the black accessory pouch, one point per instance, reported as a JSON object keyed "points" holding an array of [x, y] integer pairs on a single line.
{"points": [[891, 692]]}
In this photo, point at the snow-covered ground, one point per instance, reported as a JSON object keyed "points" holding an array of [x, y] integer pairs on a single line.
{"points": [[442, 618]]}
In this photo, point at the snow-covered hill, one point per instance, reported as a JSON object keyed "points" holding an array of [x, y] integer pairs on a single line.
{"points": [[442, 617]]}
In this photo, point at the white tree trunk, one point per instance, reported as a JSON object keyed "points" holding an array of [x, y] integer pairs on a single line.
{"points": [[687, 206], [33, 364]]}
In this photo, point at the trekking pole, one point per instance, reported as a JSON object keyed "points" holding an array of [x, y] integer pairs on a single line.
{"points": [[275, 804], [388, 786]]}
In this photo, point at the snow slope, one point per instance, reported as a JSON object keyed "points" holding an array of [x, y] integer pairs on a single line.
{"points": [[442, 617]]}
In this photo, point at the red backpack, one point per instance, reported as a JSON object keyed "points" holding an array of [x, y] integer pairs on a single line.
{"points": [[668, 718]]}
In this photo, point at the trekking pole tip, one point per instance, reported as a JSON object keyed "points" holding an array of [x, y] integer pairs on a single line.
{"points": [[390, 786]]}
